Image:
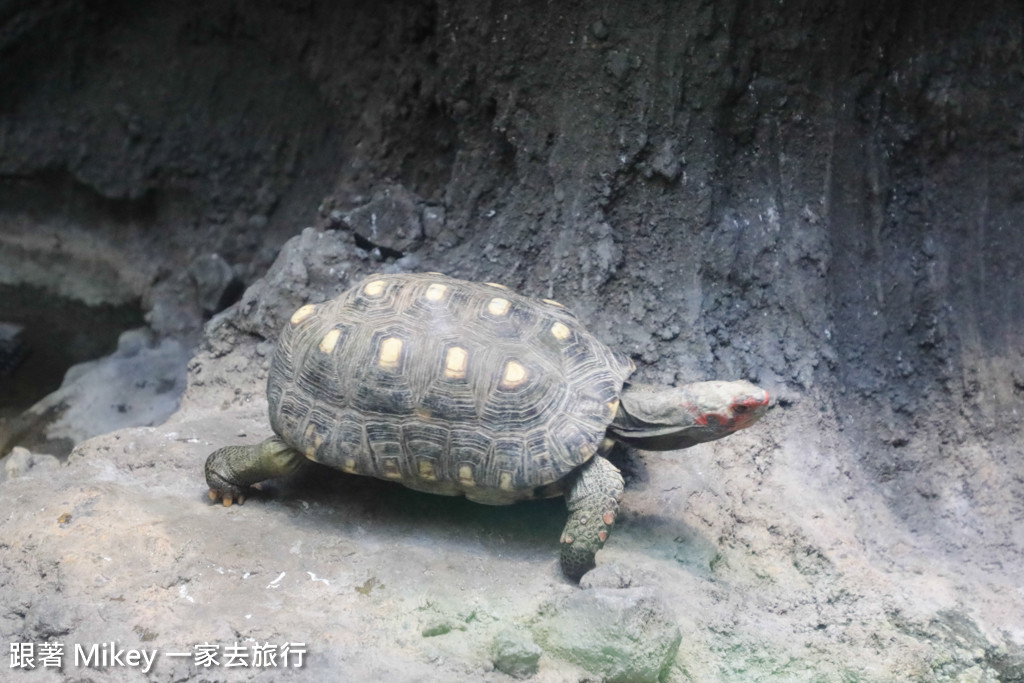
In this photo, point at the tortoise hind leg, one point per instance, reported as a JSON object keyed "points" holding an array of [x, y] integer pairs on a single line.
{"points": [[232, 469], [593, 501]]}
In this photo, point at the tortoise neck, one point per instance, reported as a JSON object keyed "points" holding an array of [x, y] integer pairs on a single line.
{"points": [[658, 419], [679, 417]]}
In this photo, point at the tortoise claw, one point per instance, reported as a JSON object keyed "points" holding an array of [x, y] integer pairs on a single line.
{"points": [[227, 497]]}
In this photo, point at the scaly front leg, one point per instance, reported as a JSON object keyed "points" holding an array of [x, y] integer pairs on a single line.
{"points": [[593, 502], [232, 469]]}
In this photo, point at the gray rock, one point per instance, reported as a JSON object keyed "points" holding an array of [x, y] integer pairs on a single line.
{"points": [[622, 635], [390, 220], [20, 460], [434, 217], [140, 384], [666, 162], [17, 463], [42, 461], [312, 266], [132, 342], [618, 65], [214, 280], [516, 654]]}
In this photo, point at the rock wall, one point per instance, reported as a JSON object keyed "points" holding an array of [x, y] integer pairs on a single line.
{"points": [[822, 199]]}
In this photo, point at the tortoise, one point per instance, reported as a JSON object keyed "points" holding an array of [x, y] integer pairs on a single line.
{"points": [[462, 388]]}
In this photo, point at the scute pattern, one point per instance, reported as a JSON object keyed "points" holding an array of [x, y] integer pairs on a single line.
{"points": [[369, 383]]}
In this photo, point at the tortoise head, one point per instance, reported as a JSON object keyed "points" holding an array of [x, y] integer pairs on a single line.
{"points": [[679, 417]]}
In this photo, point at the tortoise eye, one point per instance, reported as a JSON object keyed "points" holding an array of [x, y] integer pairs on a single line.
{"points": [[740, 408]]}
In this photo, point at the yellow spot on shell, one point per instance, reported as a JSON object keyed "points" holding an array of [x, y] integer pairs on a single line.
{"points": [[554, 303], [391, 470], [349, 465], [495, 284], [329, 341], [560, 331], [515, 374], [314, 441], [505, 481], [302, 313], [435, 292], [390, 353], [426, 469], [498, 306], [374, 288], [455, 363], [613, 407], [466, 475]]}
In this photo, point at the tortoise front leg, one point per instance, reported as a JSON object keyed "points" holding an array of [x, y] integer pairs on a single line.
{"points": [[232, 469], [593, 501]]}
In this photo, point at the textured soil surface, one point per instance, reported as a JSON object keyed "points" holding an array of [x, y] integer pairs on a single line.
{"points": [[826, 201]]}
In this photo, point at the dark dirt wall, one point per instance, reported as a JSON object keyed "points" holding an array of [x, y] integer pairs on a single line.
{"points": [[825, 198]]}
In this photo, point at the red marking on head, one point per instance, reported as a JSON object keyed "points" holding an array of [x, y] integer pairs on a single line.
{"points": [[745, 409], [719, 418], [603, 535], [609, 518]]}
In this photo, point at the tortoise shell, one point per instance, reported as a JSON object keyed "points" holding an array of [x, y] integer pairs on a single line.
{"points": [[445, 386]]}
